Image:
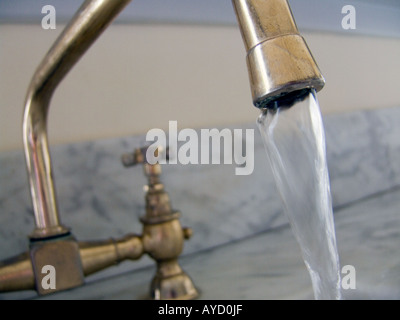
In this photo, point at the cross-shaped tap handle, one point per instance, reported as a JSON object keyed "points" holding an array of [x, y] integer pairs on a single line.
{"points": [[139, 156]]}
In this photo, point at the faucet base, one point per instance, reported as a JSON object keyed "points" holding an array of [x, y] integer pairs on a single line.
{"points": [[56, 264], [172, 283]]}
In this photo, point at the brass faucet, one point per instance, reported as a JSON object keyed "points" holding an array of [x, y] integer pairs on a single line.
{"points": [[162, 239], [279, 64], [163, 235]]}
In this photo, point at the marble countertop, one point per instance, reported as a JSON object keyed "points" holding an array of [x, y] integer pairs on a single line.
{"points": [[268, 265]]}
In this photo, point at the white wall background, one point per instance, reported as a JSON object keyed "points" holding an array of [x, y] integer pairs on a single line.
{"points": [[140, 75]]}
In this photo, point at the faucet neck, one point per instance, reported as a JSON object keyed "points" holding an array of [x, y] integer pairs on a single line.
{"points": [[260, 20]]}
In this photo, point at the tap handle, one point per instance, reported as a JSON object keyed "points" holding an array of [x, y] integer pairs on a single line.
{"points": [[139, 156]]}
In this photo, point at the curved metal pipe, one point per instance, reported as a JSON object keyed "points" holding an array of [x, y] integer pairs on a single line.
{"points": [[89, 22]]}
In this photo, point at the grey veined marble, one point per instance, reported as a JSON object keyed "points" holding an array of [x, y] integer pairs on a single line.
{"points": [[268, 265], [236, 219]]}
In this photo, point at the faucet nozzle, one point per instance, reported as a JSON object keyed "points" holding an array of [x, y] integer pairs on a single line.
{"points": [[278, 59]]}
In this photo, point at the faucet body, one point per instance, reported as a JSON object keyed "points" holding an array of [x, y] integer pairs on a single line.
{"points": [[162, 239], [279, 64]]}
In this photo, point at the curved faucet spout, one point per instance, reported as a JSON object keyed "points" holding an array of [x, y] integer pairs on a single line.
{"points": [[88, 23]]}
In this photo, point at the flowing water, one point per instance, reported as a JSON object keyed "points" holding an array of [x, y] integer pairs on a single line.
{"points": [[295, 142]]}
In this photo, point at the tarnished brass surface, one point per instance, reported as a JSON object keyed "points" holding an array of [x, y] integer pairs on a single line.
{"points": [[172, 283], [98, 255], [47, 248], [16, 274], [163, 235], [62, 254], [72, 261], [278, 59], [162, 239]]}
